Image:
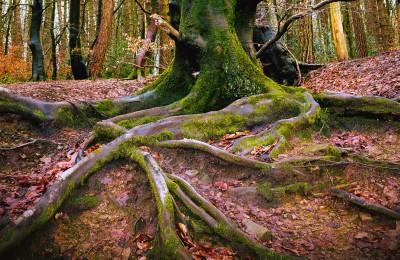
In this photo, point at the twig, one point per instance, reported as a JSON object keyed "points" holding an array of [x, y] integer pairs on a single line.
{"points": [[142, 8], [24, 144]]}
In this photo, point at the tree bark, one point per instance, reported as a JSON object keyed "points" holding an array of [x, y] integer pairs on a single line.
{"points": [[100, 48], [359, 31], [38, 72], [306, 39], [386, 29], [53, 41], [77, 64], [337, 31], [16, 30]]}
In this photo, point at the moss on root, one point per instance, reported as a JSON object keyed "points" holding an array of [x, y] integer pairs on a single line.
{"points": [[131, 123], [213, 126], [265, 190]]}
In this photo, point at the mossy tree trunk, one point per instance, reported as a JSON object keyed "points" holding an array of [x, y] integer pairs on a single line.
{"points": [[214, 60]]}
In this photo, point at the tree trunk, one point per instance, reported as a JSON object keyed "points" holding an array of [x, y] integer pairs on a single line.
{"points": [[77, 64], [337, 31], [8, 30], [214, 63], [62, 27], [348, 30], [100, 48], [165, 42], [53, 41], [373, 29], [16, 31], [38, 72], [397, 22], [359, 31], [386, 29], [306, 39]]}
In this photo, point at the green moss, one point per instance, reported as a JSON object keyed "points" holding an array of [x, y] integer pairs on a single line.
{"points": [[106, 133], [65, 116], [295, 188], [40, 115], [107, 107], [85, 202], [213, 126], [325, 149], [131, 123], [265, 190]]}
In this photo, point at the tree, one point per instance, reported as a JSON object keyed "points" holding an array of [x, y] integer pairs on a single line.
{"points": [[337, 31], [359, 31], [78, 66], [53, 41], [100, 47], [38, 72], [214, 86]]}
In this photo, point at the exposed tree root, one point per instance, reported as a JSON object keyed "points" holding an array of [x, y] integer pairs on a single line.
{"points": [[162, 126], [217, 152], [363, 204], [71, 113], [346, 104], [280, 131], [171, 246], [47, 206]]}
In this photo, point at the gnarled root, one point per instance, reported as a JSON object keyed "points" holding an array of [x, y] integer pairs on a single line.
{"points": [[215, 151], [33, 219], [280, 131], [346, 104], [71, 113], [363, 204]]}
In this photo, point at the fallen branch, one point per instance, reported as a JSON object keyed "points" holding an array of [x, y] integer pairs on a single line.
{"points": [[364, 204]]}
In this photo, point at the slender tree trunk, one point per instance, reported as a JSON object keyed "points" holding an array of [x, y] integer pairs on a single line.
{"points": [[386, 29], [53, 41], [348, 30], [77, 64], [359, 31], [98, 21], [8, 30], [397, 22], [306, 39], [165, 42], [337, 31], [38, 72], [373, 27], [100, 48], [2, 26], [61, 24], [16, 30]]}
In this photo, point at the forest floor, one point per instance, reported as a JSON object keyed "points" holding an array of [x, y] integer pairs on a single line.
{"points": [[307, 221]]}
